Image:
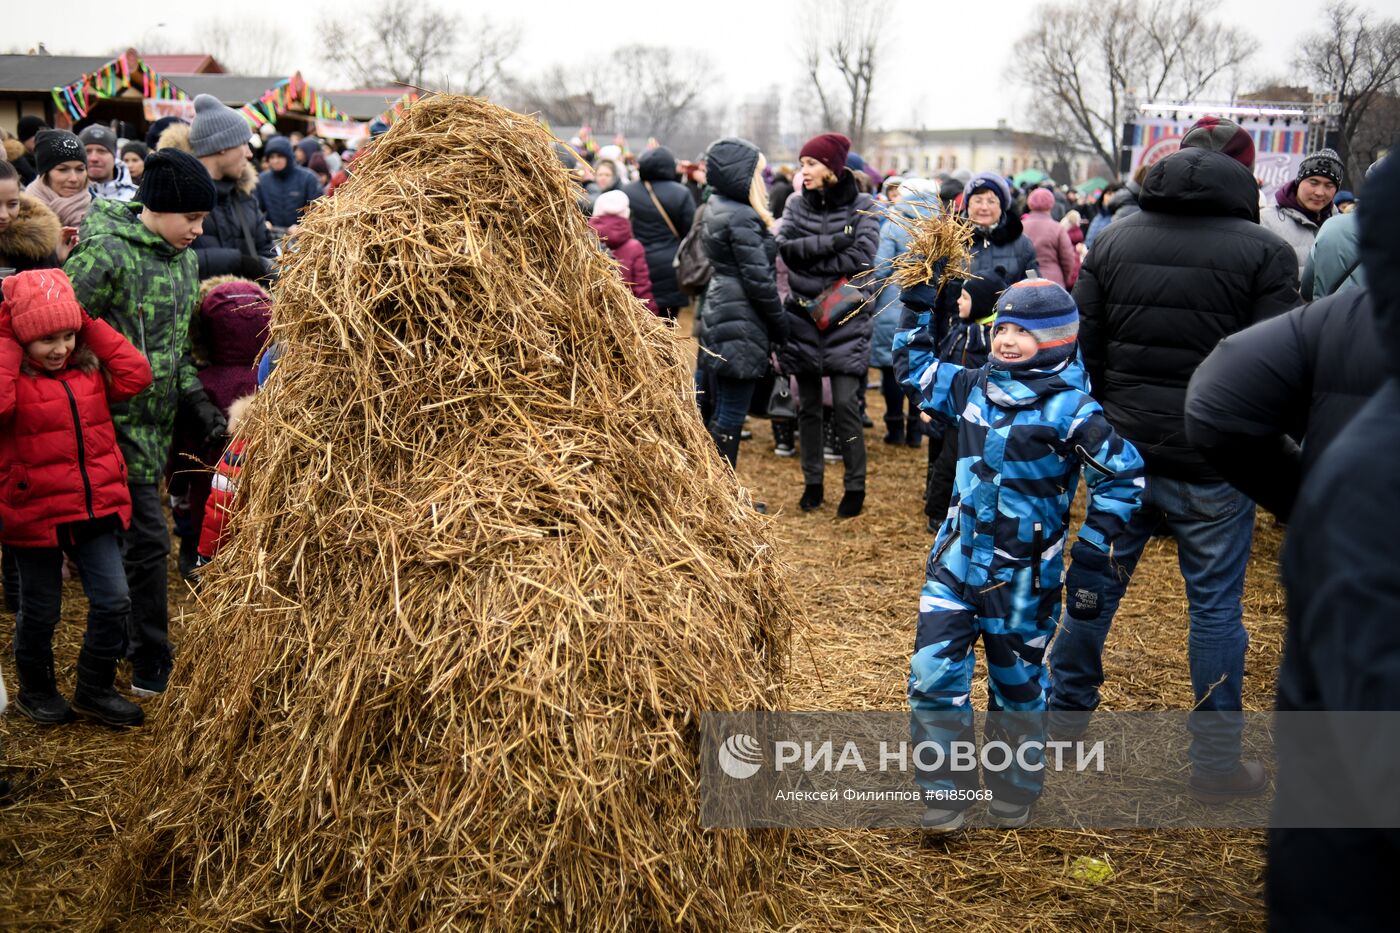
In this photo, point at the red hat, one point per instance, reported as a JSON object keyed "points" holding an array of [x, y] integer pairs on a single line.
{"points": [[1222, 135], [830, 149], [41, 302]]}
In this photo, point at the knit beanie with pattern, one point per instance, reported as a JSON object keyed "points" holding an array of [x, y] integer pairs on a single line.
{"points": [[1048, 313]]}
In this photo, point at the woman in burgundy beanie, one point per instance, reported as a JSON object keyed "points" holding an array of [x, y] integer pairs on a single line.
{"points": [[829, 233]]}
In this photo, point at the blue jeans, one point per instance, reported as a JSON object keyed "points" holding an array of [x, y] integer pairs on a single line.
{"points": [[732, 400], [99, 561], [1213, 525]]}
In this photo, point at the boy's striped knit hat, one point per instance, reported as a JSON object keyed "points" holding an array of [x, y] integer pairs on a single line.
{"points": [[1050, 315]]}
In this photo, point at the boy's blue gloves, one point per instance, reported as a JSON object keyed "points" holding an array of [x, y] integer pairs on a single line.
{"points": [[1090, 575]]}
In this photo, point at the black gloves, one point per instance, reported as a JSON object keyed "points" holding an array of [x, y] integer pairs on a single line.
{"points": [[1090, 575], [842, 241], [213, 426]]}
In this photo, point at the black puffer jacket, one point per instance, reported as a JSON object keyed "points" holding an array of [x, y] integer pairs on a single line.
{"points": [[235, 228], [1301, 375], [742, 314], [1161, 288], [658, 169], [778, 195], [812, 220], [1342, 645]]}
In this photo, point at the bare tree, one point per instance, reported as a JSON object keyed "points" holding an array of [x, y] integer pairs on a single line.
{"points": [[397, 42], [1089, 57], [247, 47], [637, 90], [653, 88], [403, 42], [842, 42], [1358, 59], [563, 97], [482, 65]]}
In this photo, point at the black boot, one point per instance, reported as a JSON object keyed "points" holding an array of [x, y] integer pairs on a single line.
{"points": [[11, 569], [851, 504], [39, 698], [95, 698], [914, 434], [783, 437], [812, 495], [894, 430], [727, 444], [189, 559], [831, 450]]}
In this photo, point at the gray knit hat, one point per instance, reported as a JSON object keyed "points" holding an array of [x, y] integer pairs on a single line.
{"points": [[216, 127], [98, 135]]}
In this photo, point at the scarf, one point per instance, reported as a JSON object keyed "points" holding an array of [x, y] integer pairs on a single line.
{"points": [[70, 210]]}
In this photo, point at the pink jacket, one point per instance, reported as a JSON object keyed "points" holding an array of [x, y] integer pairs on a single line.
{"points": [[616, 234], [1056, 255]]}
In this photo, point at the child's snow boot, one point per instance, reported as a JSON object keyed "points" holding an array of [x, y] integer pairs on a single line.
{"points": [[95, 698], [38, 697], [938, 820], [1009, 815], [894, 430]]}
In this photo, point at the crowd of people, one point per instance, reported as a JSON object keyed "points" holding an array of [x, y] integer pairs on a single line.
{"points": [[1153, 339], [1189, 346]]}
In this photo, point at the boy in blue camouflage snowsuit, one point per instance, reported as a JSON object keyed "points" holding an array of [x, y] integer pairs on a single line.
{"points": [[1025, 426]]}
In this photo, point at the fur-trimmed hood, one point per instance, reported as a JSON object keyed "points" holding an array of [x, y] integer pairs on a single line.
{"points": [[177, 136], [237, 412], [14, 150], [34, 233], [82, 359]]}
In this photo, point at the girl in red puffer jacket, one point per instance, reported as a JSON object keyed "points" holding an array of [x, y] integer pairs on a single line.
{"points": [[63, 487]]}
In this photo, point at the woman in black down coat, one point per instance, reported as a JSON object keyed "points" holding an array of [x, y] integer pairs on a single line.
{"points": [[829, 232], [743, 318], [654, 229]]}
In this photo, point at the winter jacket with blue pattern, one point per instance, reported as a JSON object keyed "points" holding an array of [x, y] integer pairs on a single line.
{"points": [[1022, 439]]}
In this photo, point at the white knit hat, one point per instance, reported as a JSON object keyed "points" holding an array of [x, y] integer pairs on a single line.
{"points": [[614, 203]]}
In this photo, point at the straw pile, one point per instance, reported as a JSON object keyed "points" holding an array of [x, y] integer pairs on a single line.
{"points": [[940, 245], [487, 569]]}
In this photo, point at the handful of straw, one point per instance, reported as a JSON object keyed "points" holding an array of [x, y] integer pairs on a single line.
{"points": [[940, 238]]}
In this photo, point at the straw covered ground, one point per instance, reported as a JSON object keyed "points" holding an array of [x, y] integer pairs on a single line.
{"points": [[489, 566]]}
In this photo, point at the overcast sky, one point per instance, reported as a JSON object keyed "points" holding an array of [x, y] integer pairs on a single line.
{"points": [[945, 68]]}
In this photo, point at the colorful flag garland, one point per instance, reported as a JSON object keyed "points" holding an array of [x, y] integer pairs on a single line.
{"points": [[109, 81]]}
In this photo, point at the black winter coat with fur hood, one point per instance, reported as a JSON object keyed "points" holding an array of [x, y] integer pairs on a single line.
{"points": [[31, 239]]}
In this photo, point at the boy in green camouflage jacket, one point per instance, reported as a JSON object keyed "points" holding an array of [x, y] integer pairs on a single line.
{"points": [[133, 269]]}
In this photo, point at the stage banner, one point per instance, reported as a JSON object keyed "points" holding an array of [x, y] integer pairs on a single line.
{"points": [[1279, 148], [342, 129], [156, 108]]}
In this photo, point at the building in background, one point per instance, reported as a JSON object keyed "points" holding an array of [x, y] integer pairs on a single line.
{"points": [[998, 149]]}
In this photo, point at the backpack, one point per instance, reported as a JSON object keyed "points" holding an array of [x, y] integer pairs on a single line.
{"points": [[693, 269]]}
